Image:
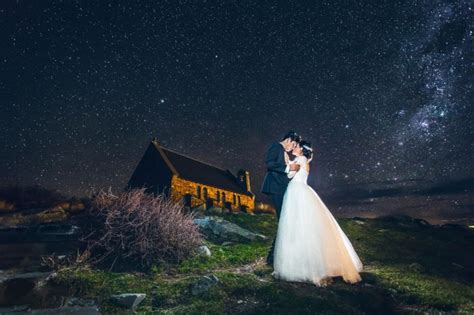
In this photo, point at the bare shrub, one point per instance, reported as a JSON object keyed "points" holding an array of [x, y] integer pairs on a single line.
{"points": [[134, 227]]}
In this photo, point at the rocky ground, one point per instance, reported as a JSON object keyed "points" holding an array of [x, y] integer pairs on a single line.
{"points": [[410, 266]]}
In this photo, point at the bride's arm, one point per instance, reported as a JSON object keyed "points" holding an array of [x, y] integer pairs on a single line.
{"points": [[290, 174]]}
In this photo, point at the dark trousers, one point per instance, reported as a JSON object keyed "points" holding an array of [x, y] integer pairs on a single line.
{"points": [[277, 200]]}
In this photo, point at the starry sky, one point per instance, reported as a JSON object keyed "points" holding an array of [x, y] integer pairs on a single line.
{"points": [[382, 89]]}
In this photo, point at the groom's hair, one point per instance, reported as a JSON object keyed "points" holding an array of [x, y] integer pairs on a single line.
{"points": [[293, 136]]}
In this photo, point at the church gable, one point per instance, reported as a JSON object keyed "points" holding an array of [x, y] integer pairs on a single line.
{"points": [[152, 171]]}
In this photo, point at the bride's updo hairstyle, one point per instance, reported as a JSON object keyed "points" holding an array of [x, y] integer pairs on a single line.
{"points": [[307, 149]]}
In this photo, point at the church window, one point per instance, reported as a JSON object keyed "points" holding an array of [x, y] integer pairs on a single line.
{"points": [[199, 192]]}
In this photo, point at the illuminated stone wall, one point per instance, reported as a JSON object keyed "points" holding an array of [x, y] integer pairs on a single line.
{"points": [[181, 187]]}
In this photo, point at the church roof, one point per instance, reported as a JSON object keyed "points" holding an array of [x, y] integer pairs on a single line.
{"points": [[200, 172]]}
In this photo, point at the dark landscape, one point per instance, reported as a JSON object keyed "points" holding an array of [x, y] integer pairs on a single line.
{"points": [[410, 266]]}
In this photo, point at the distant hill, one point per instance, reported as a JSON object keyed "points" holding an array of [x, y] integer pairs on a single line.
{"points": [[399, 188]]}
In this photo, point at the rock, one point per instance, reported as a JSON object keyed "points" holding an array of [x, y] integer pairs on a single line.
{"points": [[128, 300], [219, 230], [204, 250], [203, 284], [359, 222]]}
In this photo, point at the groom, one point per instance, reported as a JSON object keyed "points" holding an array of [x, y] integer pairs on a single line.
{"points": [[276, 180]]}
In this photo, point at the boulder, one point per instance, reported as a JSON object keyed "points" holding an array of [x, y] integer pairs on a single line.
{"points": [[219, 230], [203, 284], [128, 300], [204, 250]]}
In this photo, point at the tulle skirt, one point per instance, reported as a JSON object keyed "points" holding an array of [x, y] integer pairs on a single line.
{"points": [[310, 246]]}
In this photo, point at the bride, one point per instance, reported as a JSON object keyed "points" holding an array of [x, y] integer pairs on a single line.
{"points": [[310, 246]]}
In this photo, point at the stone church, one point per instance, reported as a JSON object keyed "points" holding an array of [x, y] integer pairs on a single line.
{"points": [[194, 182]]}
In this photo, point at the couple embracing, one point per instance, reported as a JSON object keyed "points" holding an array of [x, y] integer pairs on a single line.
{"points": [[309, 246]]}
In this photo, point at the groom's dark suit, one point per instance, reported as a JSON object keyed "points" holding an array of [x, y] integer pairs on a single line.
{"points": [[275, 181]]}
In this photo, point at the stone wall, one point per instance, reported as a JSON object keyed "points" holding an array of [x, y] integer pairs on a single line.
{"points": [[181, 187]]}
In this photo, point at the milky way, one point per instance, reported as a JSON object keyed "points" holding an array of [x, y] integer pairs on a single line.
{"points": [[383, 90]]}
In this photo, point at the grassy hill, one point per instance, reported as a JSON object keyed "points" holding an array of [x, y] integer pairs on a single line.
{"points": [[409, 267]]}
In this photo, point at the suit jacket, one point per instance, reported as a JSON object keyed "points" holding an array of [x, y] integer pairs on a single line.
{"points": [[276, 179]]}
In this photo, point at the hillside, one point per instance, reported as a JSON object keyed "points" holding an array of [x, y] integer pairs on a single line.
{"points": [[409, 267]]}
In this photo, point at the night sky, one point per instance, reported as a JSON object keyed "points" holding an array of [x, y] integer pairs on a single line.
{"points": [[382, 89]]}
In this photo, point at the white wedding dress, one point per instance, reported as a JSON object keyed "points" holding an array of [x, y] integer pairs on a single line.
{"points": [[310, 246]]}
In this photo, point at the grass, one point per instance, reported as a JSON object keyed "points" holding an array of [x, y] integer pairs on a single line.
{"points": [[408, 268]]}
